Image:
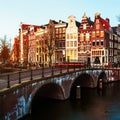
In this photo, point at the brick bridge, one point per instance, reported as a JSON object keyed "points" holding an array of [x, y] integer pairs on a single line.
{"points": [[16, 101]]}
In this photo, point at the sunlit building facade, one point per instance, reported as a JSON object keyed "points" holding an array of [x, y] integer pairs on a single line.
{"points": [[72, 39], [60, 37], [100, 41], [94, 42], [27, 43], [84, 43], [32, 45]]}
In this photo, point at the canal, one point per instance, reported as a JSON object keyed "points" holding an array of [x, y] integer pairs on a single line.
{"points": [[93, 105]]}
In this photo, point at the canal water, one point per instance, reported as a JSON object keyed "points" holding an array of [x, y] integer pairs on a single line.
{"points": [[93, 105]]}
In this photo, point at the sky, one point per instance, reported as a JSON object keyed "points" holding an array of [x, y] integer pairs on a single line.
{"points": [[39, 12]]}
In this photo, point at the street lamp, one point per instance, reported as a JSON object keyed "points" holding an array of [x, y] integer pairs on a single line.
{"points": [[42, 59]]}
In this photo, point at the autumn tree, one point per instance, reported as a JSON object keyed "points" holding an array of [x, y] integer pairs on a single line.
{"points": [[16, 50], [4, 49]]}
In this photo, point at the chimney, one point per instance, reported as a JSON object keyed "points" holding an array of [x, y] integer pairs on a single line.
{"points": [[60, 21]]}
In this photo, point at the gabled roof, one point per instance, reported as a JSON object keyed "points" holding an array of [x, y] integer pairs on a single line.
{"points": [[105, 23]]}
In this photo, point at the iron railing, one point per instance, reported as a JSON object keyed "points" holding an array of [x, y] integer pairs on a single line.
{"points": [[10, 79]]}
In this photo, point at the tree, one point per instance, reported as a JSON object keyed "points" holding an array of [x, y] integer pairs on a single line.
{"points": [[4, 49], [16, 50], [50, 41]]}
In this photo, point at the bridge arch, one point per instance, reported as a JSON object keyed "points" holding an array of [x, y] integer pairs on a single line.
{"points": [[102, 76], [49, 90], [84, 80], [45, 92]]}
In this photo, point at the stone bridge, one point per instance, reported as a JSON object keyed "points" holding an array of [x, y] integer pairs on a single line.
{"points": [[18, 100]]}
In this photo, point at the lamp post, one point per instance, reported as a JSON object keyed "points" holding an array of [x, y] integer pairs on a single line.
{"points": [[68, 64], [43, 66], [42, 58]]}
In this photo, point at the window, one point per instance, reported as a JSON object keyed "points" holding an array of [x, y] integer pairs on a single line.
{"points": [[102, 34], [97, 43], [57, 30], [93, 34], [102, 52], [71, 36], [60, 36], [97, 33], [37, 57], [63, 36], [101, 42], [67, 43], [75, 35], [87, 36], [57, 36], [63, 30], [84, 26], [75, 53], [67, 36], [71, 43], [82, 47], [60, 30], [75, 43], [87, 47], [81, 36], [93, 43], [71, 51], [37, 50], [103, 59]]}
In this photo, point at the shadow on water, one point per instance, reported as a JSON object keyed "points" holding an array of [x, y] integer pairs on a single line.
{"points": [[93, 105]]}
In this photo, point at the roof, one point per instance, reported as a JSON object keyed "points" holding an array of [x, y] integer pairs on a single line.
{"points": [[90, 21], [105, 23], [78, 23], [26, 26], [114, 29], [55, 22]]}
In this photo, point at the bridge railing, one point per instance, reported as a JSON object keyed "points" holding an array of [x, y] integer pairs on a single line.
{"points": [[10, 79]]}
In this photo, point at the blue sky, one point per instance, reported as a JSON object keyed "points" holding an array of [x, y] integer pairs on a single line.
{"points": [[38, 12]]}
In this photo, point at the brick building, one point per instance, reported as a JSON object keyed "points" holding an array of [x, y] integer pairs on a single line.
{"points": [[94, 42]]}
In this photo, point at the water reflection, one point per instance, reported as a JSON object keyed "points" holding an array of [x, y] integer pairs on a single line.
{"points": [[93, 105]]}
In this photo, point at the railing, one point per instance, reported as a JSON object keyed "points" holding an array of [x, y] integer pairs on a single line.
{"points": [[10, 79]]}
